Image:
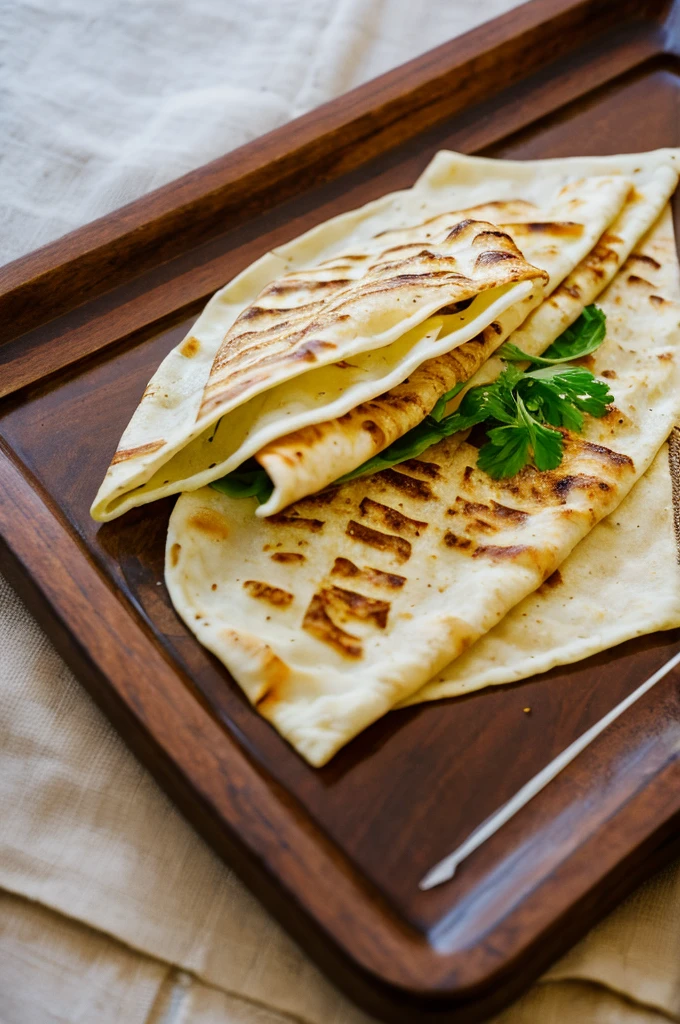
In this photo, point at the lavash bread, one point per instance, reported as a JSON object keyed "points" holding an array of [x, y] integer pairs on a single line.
{"points": [[332, 613]]}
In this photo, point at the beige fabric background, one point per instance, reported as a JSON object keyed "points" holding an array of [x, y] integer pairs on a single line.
{"points": [[111, 908]]}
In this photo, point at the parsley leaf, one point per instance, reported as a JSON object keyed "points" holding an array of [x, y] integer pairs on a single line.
{"points": [[583, 337]]}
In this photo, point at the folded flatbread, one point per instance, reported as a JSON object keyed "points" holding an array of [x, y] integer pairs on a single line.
{"points": [[623, 579], [314, 339], [270, 355], [332, 613], [620, 582], [309, 459]]}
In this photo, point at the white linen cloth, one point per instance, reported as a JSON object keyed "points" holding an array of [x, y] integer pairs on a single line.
{"points": [[112, 909]]}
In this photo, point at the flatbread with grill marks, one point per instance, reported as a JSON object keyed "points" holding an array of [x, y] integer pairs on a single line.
{"points": [[372, 327], [169, 444], [331, 613], [623, 579]]}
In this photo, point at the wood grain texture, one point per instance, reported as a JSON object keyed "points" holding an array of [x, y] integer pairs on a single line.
{"points": [[337, 853]]}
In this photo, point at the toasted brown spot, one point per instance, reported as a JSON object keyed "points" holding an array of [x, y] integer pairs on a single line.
{"points": [[281, 519], [398, 546], [430, 469], [645, 259], [318, 622], [308, 351], [210, 522], [495, 327], [406, 484], [452, 540], [174, 554], [343, 567], [634, 279], [573, 290], [665, 357], [349, 603], [391, 518], [266, 592], [190, 347], [273, 671], [287, 556], [376, 432], [122, 455], [657, 300], [344, 365], [562, 229], [609, 374], [554, 580]]}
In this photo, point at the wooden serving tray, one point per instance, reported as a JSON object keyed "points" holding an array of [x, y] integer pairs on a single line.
{"points": [[336, 854]]}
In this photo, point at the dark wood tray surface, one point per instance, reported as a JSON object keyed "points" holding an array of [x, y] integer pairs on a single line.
{"points": [[337, 853]]}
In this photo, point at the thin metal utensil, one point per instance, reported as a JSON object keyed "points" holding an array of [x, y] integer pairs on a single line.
{"points": [[446, 868]]}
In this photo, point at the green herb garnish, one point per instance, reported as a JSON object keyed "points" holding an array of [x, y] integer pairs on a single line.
{"points": [[583, 337]]}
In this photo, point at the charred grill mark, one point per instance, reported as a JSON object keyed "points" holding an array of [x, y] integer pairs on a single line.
{"points": [[565, 484], [344, 567], [376, 432], [356, 606], [493, 256], [122, 455], [634, 279], [308, 351], [496, 327], [266, 592], [430, 469], [299, 522], [318, 622], [406, 484], [607, 454], [287, 556], [459, 228], [514, 515], [398, 546], [391, 518], [645, 259], [498, 551]]}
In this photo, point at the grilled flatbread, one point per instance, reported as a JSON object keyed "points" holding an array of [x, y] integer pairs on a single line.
{"points": [[217, 375], [291, 354], [309, 459], [623, 579], [332, 613]]}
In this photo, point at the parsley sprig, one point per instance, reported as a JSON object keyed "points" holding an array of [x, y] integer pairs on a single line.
{"points": [[522, 411]]}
